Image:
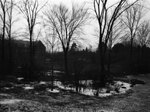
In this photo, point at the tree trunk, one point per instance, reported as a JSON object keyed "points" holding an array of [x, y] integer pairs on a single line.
{"points": [[3, 49], [142, 58], [131, 53], [2, 57], [102, 65], [52, 70], [109, 60], [76, 75], [142, 52], [66, 64], [30, 57], [10, 56], [52, 78]]}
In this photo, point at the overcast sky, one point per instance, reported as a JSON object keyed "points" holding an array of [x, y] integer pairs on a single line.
{"points": [[89, 29]]}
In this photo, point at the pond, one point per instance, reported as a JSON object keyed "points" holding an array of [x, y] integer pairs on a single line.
{"points": [[84, 87], [138, 101], [87, 87]]}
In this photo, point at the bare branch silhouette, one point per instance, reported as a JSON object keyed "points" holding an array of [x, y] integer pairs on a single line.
{"points": [[67, 24]]}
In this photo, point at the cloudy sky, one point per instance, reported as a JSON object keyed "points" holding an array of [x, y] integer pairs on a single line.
{"points": [[91, 26], [89, 29]]}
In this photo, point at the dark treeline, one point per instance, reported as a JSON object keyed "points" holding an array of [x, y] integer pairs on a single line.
{"points": [[85, 63], [20, 56], [121, 57]]}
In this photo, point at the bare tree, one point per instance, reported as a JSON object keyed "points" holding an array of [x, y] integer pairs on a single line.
{"points": [[9, 24], [68, 25], [116, 36], [51, 42], [106, 20], [143, 34], [3, 6], [30, 9], [131, 19], [143, 39]]}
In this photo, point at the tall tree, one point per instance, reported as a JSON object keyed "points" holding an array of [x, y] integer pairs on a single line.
{"points": [[143, 36], [68, 24], [106, 20], [51, 42], [3, 6], [116, 36], [9, 24], [30, 9], [131, 19]]}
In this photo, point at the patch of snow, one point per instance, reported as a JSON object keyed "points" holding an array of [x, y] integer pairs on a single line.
{"points": [[113, 92], [53, 91], [103, 90], [92, 92], [104, 94], [42, 83], [59, 84], [122, 87], [20, 78], [118, 82], [56, 71], [125, 87], [27, 87], [69, 88], [88, 91], [10, 101]]}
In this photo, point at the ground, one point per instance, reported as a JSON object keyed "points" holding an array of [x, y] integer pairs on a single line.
{"points": [[137, 100]]}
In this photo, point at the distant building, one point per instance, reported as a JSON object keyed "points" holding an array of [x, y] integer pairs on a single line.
{"points": [[20, 52]]}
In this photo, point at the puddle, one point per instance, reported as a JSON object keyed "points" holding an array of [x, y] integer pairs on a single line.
{"points": [[87, 89]]}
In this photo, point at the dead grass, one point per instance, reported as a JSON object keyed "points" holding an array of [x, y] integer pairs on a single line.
{"points": [[137, 100]]}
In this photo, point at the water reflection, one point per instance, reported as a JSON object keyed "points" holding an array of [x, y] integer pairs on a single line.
{"points": [[86, 88], [89, 87]]}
